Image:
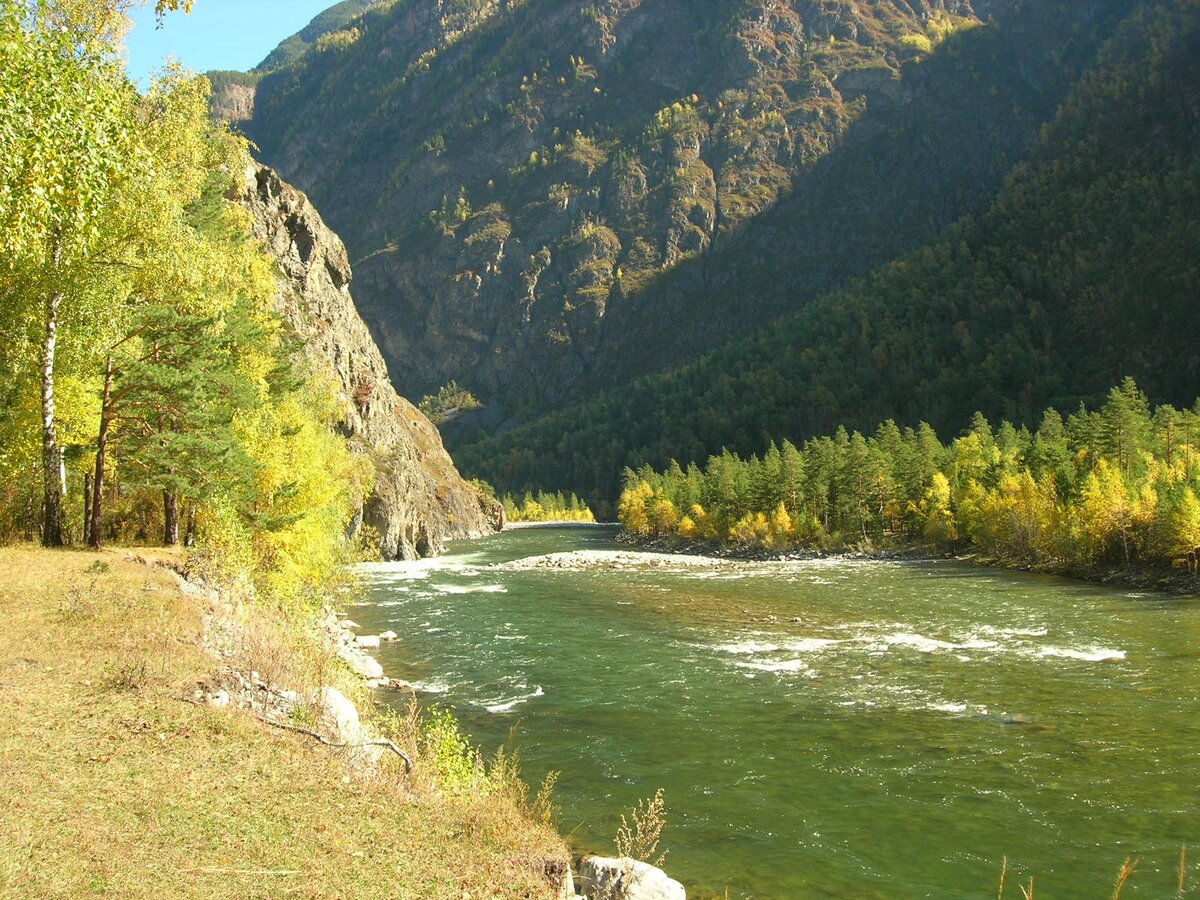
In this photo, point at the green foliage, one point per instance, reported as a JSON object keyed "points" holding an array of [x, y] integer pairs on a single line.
{"points": [[334, 19], [448, 403], [452, 213], [1116, 486], [456, 762], [135, 296]]}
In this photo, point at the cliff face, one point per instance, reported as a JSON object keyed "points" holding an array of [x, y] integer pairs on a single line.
{"points": [[419, 500]]}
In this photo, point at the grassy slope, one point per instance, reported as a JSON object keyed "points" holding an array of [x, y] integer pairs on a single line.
{"points": [[114, 785]]}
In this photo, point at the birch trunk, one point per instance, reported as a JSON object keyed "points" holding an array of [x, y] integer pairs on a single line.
{"points": [[97, 509], [53, 475]]}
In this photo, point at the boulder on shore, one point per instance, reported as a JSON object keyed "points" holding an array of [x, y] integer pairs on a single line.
{"points": [[626, 879]]}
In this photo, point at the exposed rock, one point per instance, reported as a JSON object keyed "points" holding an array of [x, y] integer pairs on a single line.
{"points": [[388, 636], [420, 501], [233, 102], [626, 879], [368, 641], [518, 234], [340, 717], [345, 645]]}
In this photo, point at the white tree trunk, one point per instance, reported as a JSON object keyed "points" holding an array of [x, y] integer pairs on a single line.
{"points": [[53, 471]]}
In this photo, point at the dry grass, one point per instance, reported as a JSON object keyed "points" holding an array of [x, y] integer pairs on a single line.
{"points": [[1127, 869], [114, 785], [640, 840]]}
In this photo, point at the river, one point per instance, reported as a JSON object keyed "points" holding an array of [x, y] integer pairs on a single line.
{"points": [[829, 728]]}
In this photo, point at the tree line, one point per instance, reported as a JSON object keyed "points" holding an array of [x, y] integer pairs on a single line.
{"points": [[148, 389], [546, 507], [1118, 485]]}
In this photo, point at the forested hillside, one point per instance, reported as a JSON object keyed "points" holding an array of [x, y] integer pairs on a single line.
{"points": [[178, 366], [1084, 269], [546, 198]]}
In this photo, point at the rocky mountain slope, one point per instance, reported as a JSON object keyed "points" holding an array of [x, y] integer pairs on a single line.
{"points": [[1084, 269], [549, 197], [661, 218], [419, 499]]}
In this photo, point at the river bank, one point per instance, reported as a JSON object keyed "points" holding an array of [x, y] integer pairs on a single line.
{"points": [[1179, 582], [138, 762]]}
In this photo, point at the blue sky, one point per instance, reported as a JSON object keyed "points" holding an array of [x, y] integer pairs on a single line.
{"points": [[218, 34]]}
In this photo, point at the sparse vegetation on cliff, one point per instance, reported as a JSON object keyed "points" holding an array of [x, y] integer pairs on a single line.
{"points": [[448, 403]]}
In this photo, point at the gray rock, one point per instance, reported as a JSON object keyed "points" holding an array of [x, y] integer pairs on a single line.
{"points": [[420, 500], [360, 663], [389, 636], [602, 878]]}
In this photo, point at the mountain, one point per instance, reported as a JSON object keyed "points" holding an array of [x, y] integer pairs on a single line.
{"points": [[663, 219], [419, 500], [1084, 268], [518, 181], [234, 92]]}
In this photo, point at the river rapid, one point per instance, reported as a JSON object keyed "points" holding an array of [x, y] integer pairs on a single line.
{"points": [[827, 728]]}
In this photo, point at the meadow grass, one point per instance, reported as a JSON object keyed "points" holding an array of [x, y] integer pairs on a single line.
{"points": [[116, 782]]}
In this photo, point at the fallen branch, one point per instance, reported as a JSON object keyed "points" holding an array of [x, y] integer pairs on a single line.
{"points": [[408, 763]]}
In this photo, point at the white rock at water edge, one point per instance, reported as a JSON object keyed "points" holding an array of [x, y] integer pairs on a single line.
{"points": [[360, 663], [389, 636], [626, 879], [368, 641]]}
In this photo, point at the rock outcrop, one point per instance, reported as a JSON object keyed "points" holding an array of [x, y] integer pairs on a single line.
{"points": [[419, 499], [602, 878]]}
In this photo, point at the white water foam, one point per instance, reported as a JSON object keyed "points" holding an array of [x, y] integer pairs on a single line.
{"points": [[508, 705], [412, 570], [786, 665], [744, 648], [949, 707], [609, 559], [810, 645], [931, 645], [1090, 654], [431, 687], [470, 588]]}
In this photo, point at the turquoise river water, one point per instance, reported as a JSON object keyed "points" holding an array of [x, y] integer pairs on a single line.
{"points": [[828, 728]]}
